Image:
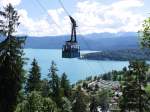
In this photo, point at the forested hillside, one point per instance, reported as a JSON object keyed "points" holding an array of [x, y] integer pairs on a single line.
{"points": [[119, 55]]}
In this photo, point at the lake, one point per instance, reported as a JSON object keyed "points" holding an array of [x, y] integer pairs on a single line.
{"points": [[75, 69]]}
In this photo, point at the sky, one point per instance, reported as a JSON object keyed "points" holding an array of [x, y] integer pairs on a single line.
{"points": [[48, 18]]}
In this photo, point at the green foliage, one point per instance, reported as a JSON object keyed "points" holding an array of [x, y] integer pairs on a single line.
{"points": [[66, 105], [65, 85], [36, 103], [147, 88], [9, 21], [139, 70], [85, 85], [89, 78], [45, 90], [119, 55], [134, 96], [49, 105], [148, 76], [54, 83], [145, 34], [93, 105], [11, 60], [102, 99], [95, 78], [79, 103], [79, 82], [114, 75], [107, 76], [22, 107], [34, 82]]}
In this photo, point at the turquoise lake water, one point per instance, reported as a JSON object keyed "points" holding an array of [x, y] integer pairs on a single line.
{"points": [[76, 69]]}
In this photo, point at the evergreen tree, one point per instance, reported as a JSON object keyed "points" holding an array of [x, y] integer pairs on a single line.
{"points": [[134, 97], [85, 85], [54, 83], [45, 90], [11, 60], [79, 103], [65, 85], [128, 100], [114, 75], [34, 82], [93, 105], [102, 99]]}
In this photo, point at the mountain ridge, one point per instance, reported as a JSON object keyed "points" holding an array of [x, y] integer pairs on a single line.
{"points": [[95, 41]]}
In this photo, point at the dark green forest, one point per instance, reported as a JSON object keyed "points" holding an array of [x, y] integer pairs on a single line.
{"points": [[119, 55], [25, 91]]}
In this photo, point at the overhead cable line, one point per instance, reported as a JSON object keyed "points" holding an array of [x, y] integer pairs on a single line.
{"points": [[86, 43], [90, 67], [63, 7], [79, 32], [45, 10]]}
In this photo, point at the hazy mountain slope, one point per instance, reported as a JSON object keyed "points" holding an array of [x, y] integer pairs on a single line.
{"points": [[97, 41]]}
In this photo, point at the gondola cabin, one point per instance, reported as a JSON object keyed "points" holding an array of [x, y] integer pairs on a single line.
{"points": [[71, 49]]}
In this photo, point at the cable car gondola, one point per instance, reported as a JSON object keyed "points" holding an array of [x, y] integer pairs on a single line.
{"points": [[71, 49]]}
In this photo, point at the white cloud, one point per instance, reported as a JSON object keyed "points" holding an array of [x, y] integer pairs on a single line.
{"points": [[116, 17], [13, 2], [126, 4], [33, 27], [42, 26], [91, 16], [55, 14]]}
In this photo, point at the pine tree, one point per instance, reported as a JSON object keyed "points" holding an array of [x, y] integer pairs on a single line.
{"points": [[134, 97], [34, 81], [54, 83], [103, 100], [93, 105], [11, 60], [45, 91], [79, 103], [65, 85], [139, 69], [129, 101]]}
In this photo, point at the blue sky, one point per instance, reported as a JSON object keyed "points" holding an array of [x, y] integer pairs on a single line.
{"points": [[47, 17]]}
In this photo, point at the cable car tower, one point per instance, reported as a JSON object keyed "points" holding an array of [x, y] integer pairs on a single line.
{"points": [[71, 49]]}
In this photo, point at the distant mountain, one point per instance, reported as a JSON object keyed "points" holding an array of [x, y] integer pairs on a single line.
{"points": [[95, 41]]}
